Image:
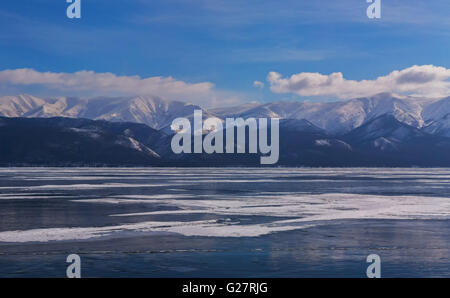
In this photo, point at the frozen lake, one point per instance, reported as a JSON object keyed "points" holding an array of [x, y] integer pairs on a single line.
{"points": [[232, 222]]}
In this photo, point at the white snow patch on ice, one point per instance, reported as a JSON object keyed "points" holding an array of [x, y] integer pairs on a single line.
{"points": [[303, 211]]}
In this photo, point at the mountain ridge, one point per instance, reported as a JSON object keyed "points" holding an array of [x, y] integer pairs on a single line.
{"points": [[58, 141], [335, 117]]}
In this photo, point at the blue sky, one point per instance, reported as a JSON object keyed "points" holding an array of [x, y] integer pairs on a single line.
{"points": [[227, 44]]}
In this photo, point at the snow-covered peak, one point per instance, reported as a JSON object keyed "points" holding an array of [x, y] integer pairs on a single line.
{"points": [[338, 117]]}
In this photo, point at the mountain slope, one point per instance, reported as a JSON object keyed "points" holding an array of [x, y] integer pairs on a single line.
{"points": [[437, 117], [337, 118], [18, 106], [65, 141], [153, 111], [386, 141], [385, 126], [383, 141], [340, 116]]}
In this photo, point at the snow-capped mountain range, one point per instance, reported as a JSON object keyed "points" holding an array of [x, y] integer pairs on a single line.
{"points": [[382, 130], [337, 118], [153, 111]]}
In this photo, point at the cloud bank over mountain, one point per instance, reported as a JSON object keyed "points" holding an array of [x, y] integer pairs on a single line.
{"points": [[94, 83], [424, 80]]}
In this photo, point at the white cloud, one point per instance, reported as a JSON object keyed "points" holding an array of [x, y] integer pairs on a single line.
{"points": [[258, 84], [429, 80], [90, 82]]}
